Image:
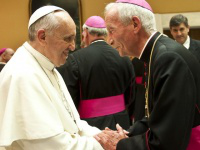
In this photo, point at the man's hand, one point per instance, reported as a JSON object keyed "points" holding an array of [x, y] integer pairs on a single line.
{"points": [[109, 138]]}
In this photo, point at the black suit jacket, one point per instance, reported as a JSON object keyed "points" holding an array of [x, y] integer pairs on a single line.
{"points": [[195, 48], [173, 99], [1, 66], [98, 71]]}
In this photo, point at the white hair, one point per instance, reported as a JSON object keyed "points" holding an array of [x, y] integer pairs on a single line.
{"points": [[48, 22], [96, 31], [127, 11]]}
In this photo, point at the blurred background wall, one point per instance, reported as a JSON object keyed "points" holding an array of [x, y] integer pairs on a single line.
{"points": [[14, 16]]}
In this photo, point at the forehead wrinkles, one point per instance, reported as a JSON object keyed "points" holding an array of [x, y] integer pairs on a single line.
{"points": [[65, 19], [112, 15], [67, 28], [112, 20]]}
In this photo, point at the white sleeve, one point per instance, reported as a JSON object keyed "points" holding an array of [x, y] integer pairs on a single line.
{"points": [[88, 130], [62, 141]]}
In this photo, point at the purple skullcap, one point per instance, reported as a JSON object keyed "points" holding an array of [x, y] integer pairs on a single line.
{"points": [[141, 3], [2, 51], [95, 22]]}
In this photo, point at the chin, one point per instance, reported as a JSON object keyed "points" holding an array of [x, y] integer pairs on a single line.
{"points": [[181, 42], [60, 63]]}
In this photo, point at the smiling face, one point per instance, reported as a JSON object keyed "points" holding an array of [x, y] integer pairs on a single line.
{"points": [[180, 33], [123, 39], [61, 41]]}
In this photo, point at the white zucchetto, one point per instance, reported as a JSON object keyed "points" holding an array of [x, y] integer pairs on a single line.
{"points": [[40, 12]]}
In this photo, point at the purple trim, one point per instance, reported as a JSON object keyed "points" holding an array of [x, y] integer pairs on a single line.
{"points": [[147, 139], [101, 106], [138, 80], [141, 3], [2, 50], [194, 143]]}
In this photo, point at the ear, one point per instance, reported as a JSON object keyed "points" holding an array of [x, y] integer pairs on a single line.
{"points": [[188, 28], [86, 33], [41, 36], [3, 56], [171, 30], [136, 24], [87, 37]]}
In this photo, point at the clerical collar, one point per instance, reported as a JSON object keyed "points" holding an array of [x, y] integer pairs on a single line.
{"points": [[146, 44], [42, 60], [96, 41], [187, 43], [2, 63], [147, 51]]}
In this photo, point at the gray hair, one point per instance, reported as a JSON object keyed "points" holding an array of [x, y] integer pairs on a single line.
{"points": [[177, 20], [96, 31], [49, 22], [127, 11]]}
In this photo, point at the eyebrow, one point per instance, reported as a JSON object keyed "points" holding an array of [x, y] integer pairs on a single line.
{"points": [[69, 36]]}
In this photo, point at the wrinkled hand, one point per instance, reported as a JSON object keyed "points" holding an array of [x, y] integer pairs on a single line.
{"points": [[109, 138]]}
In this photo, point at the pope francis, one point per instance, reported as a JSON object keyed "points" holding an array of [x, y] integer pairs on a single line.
{"points": [[36, 110]]}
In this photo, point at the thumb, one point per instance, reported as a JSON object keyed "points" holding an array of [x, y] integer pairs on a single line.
{"points": [[119, 128]]}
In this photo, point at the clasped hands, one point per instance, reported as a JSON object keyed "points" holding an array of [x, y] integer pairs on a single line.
{"points": [[109, 138]]}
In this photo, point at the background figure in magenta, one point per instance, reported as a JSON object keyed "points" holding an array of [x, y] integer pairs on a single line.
{"points": [[179, 29], [172, 119], [5, 56], [100, 82]]}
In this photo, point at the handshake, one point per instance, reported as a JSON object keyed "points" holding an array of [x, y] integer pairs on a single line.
{"points": [[109, 138]]}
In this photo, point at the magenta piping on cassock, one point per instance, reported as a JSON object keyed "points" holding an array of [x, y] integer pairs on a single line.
{"points": [[138, 80]]}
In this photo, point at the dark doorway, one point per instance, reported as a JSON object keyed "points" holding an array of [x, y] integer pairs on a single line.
{"points": [[71, 6]]}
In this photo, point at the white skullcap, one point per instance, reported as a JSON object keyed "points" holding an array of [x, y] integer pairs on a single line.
{"points": [[40, 12]]}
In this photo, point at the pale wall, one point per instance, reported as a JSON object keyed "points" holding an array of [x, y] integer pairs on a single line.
{"points": [[93, 8], [174, 6], [14, 15], [14, 21]]}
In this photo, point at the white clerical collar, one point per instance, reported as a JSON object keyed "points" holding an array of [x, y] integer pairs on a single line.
{"points": [[96, 41], [187, 43], [42, 60], [2, 63], [147, 43]]}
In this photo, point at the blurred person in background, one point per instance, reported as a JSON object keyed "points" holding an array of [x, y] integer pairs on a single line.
{"points": [[100, 82], [5, 56], [179, 28]]}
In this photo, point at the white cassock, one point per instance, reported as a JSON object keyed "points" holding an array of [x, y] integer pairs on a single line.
{"points": [[36, 110]]}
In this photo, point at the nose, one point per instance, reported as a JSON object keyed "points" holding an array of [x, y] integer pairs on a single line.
{"points": [[179, 33]]}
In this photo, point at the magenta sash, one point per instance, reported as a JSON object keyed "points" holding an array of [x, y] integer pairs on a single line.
{"points": [[101, 106], [194, 143]]}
